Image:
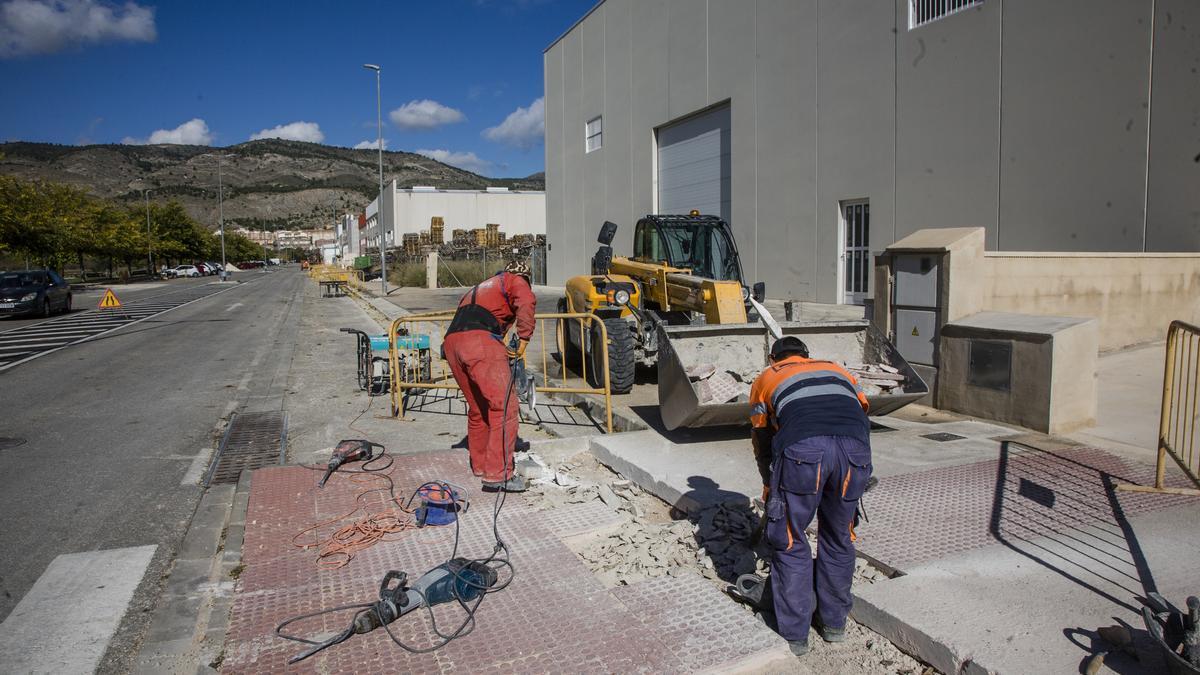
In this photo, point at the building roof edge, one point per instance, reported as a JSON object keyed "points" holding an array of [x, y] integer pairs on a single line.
{"points": [[573, 26]]}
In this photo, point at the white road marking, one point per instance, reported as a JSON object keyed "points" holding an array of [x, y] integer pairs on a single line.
{"points": [[196, 470], [233, 306], [64, 623]]}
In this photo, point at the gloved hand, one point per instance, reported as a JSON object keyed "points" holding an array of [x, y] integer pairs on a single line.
{"points": [[519, 352]]}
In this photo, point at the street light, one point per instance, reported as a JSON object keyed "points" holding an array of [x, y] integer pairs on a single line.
{"points": [[379, 210], [221, 217], [149, 241]]}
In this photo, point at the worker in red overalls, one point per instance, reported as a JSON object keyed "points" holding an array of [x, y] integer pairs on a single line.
{"points": [[481, 363]]}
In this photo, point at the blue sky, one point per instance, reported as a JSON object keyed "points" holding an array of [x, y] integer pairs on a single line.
{"points": [[462, 79]]}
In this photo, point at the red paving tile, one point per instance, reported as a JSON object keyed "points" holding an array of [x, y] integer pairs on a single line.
{"points": [[920, 517], [554, 617]]}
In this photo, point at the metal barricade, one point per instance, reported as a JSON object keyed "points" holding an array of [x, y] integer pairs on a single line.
{"points": [[417, 365], [1180, 402]]}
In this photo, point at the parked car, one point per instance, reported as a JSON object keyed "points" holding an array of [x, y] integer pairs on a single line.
{"points": [[33, 292], [185, 271], [205, 270]]}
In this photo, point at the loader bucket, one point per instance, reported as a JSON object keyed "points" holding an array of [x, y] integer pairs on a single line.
{"points": [[705, 372]]}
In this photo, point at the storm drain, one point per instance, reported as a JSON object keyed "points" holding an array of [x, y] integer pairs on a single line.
{"points": [[942, 437], [252, 441]]}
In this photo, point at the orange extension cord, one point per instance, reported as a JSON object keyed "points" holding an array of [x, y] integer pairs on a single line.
{"points": [[339, 549]]}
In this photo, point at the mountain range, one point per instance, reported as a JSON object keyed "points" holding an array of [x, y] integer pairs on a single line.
{"points": [[266, 184]]}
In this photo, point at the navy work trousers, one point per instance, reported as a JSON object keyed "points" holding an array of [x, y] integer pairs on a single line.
{"points": [[825, 476]]}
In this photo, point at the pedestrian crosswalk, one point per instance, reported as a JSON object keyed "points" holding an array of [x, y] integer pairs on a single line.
{"points": [[27, 342]]}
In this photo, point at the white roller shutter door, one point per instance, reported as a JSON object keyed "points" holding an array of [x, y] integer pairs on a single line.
{"points": [[693, 165]]}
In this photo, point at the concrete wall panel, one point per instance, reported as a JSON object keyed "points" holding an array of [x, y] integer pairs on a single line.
{"points": [[618, 124], [650, 110], [784, 103], [947, 103], [1173, 212], [687, 56], [573, 150], [1073, 128], [856, 123], [556, 217]]}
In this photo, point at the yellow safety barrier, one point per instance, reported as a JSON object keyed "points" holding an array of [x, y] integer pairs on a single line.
{"points": [[412, 370], [1180, 402], [335, 280]]}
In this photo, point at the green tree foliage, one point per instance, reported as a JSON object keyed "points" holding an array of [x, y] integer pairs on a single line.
{"points": [[51, 224]]}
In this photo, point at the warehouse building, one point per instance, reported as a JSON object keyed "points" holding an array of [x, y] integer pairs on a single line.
{"points": [[412, 210], [825, 130]]}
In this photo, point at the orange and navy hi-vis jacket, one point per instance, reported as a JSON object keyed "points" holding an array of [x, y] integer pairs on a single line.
{"points": [[798, 398]]}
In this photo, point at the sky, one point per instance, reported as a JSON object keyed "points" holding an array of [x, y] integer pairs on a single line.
{"points": [[461, 79]]}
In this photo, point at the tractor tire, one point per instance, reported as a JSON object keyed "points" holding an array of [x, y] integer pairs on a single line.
{"points": [[622, 356], [569, 356]]}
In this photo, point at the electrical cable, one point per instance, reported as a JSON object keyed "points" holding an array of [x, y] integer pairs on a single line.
{"points": [[494, 560]]}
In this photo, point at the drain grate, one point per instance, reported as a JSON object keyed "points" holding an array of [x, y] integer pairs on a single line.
{"points": [[252, 441], [942, 437]]}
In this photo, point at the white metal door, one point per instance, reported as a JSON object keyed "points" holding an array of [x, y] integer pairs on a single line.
{"points": [[693, 164], [856, 267]]}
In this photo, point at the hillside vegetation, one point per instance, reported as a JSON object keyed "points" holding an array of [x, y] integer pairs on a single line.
{"points": [[268, 184]]}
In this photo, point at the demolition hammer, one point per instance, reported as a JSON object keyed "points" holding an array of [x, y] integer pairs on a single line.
{"points": [[351, 450], [458, 580], [523, 380]]}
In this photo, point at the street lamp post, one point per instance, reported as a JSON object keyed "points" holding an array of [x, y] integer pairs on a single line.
{"points": [[149, 240], [379, 209], [221, 217]]}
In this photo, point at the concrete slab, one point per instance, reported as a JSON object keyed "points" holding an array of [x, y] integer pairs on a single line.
{"points": [[1128, 399], [64, 623], [1033, 606]]}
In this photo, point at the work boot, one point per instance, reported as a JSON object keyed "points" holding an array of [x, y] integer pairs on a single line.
{"points": [[831, 634], [514, 484], [521, 445], [798, 647]]}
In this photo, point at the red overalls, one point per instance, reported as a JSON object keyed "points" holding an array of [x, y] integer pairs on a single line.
{"points": [[475, 351]]}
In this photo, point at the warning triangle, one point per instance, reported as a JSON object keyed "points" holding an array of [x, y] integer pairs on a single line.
{"points": [[109, 301], [915, 333]]}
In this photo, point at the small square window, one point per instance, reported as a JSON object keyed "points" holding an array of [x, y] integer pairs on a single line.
{"points": [[594, 133]]}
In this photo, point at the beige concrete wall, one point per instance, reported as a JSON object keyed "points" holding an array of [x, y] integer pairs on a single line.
{"points": [[1134, 296]]}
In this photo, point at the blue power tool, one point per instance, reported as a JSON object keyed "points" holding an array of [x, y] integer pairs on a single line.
{"points": [[458, 579]]}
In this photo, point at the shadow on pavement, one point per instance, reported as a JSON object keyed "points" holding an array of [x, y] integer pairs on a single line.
{"points": [[1063, 513]]}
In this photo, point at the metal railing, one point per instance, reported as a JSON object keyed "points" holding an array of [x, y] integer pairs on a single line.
{"points": [[410, 369], [1180, 403]]}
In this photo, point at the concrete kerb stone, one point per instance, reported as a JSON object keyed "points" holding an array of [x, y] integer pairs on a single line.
{"points": [[190, 607]]}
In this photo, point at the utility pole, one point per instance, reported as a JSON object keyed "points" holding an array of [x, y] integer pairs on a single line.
{"points": [[379, 209], [149, 240], [221, 216]]}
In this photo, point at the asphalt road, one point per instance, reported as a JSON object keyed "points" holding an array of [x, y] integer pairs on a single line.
{"points": [[102, 444]]}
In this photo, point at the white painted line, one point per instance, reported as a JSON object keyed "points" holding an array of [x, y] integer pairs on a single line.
{"points": [[233, 306], [64, 623], [196, 471]]}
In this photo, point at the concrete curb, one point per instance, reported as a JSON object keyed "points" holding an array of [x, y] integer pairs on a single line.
{"points": [[187, 629]]}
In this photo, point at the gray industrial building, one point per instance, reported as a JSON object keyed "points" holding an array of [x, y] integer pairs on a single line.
{"points": [[825, 130]]}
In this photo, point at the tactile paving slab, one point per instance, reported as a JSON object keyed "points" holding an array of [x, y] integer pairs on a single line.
{"points": [[700, 626], [1027, 493], [556, 616]]}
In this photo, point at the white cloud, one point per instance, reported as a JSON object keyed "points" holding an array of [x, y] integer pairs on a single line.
{"points": [[523, 128], [192, 132], [372, 144], [463, 160], [296, 131], [48, 26], [424, 114]]}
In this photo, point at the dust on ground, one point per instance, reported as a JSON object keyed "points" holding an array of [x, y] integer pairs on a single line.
{"points": [[654, 540]]}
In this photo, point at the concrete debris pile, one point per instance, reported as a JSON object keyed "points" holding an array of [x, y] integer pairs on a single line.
{"points": [[642, 550], [877, 378], [720, 386]]}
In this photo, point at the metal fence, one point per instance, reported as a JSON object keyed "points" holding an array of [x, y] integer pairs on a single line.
{"points": [[1180, 402], [416, 364]]}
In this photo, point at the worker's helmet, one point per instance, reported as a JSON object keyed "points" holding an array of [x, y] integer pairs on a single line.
{"points": [[519, 267], [788, 345]]}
